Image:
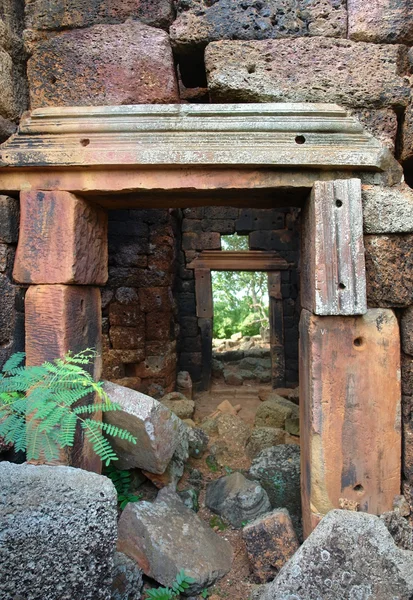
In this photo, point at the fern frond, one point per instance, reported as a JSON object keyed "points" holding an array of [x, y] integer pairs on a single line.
{"points": [[94, 408], [68, 429], [114, 431], [13, 362], [100, 444]]}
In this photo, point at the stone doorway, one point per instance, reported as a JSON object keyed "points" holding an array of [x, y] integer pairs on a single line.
{"points": [[70, 165]]}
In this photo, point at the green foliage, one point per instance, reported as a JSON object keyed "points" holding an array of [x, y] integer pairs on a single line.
{"points": [[40, 411], [205, 593], [217, 522], [122, 482], [181, 583], [240, 297]]}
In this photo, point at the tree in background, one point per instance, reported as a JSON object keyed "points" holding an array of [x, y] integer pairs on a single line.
{"points": [[240, 297]]}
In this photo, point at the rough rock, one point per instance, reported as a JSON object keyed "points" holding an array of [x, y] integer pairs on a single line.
{"points": [[406, 330], [387, 21], [386, 285], [349, 555], [264, 437], [354, 74], [127, 578], [387, 209], [190, 498], [13, 99], [236, 499], [129, 63], [233, 434], [274, 412], [406, 151], [175, 469], [198, 442], [7, 128], [186, 543], [156, 428], [57, 533], [401, 506], [41, 14], [182, 407], [200, 21], [278, 471], [271, 541], [9, 220], [7, 309], [232, 378], [399, 529]]}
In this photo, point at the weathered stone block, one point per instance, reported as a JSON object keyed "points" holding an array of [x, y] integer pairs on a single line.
{"points": [[271, 542], [274, 412], [159, 326], [385, 21], [201, 22], [155, 427], [127, 338], [349, 555], [407, 374], [7, 309], [40, 14], [57, 533], [406, 330], [188, 543], [381, 123], [127, 578], [129, 63], [201, 241], [332, 250], [13, 100], [251, 219], [389, 269], [407, 133], [7, 128], [9, 220], [156, 366], [387, 209], [354, 74], [158, 298], [264, 437], [63, 239], [350, 412], [126, 315], [237, 499], [283, 239]]}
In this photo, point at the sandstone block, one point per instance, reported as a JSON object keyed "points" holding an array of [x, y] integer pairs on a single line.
{"points": [[332, 250], [57, 533], [13, 100], [278, 471], [389, 270], [63, 239], [354, 74], [188, 543], [271, 542], [129, 63], [175, 469], [201, 22], [179, 405], [40, 14], [386, 21], [264, 437], [155, 427], [406, 330], [237, 499], [126, 315], [346, 453], [349, 555], [274, 412], [387, 209], [159, 299], [156, 366], [381, 123], [127, 338], [159, 326], [201, 241], [9, 220]]}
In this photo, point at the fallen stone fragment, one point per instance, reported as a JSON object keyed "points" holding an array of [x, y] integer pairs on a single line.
{"points": [[275, 411], [271, 541], [155, 427], [237, 499], [127, 578], [166, 537], [264, 437], [399, 529], [179, 405], [190, 498], [57, 533], [349, 555], [175, 469], [278, 471], [198, 442], [401, 506]]}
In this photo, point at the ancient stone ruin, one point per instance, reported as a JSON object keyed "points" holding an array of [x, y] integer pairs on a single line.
{"points": [[134, 137]]}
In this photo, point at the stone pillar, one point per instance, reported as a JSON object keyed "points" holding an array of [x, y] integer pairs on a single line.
{"points": [[63, 249], [349, 366]]}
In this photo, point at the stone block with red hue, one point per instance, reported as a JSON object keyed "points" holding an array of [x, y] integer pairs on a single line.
{"points": [[201, 241], [350, 412], [354, 74], [63, 239], [271, 541], [389, 270], [407, 133], [44, 15], [129, 63], [382, 123], [387, 21], [155, 299], [125, 315], [159, 326], [406, 330], [127, 338], [115, 362], [156, 366]]}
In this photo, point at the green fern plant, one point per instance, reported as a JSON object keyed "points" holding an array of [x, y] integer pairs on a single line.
{"points": [[181, 583], [40, 410], [122, 482]]}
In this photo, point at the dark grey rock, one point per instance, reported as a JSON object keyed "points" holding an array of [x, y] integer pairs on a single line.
{"points": [[399, 529], [278, 471], [190, 498], [57, 533], [9, 220], [350, 555], [237, 499], [165, 537], [198, 442], [127, 578]]}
